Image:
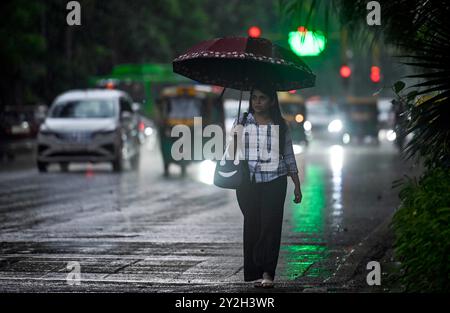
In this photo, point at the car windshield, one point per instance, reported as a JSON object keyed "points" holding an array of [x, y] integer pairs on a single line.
{"points": [[185, 107], [321, 109], [91, 108], [291, 108]]}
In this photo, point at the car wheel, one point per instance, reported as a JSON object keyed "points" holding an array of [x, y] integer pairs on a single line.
{"points": [[117, 164], [166, 169], [64, 166], [183, 170], [42, 166], [134, 161]]}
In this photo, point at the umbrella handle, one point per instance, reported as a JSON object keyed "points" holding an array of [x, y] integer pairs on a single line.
{"points": [[221, 94], [239, 108], [235, 136]]}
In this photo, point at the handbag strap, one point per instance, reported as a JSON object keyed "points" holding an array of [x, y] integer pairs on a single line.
{"points": [[244, 120], [239, 108]]}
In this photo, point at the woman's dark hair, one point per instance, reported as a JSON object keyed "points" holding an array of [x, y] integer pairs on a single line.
{"points": [[274, 112]]}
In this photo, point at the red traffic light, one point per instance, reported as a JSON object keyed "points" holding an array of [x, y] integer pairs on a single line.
{"points": [[109, 85], [375, 74], [254, 31], [345, 71], [302, 29]]}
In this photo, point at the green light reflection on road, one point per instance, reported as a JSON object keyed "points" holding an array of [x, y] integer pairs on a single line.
{"points": [[307, 220]]}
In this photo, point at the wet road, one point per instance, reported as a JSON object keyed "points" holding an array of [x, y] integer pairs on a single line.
{"points": [[139, 231]]}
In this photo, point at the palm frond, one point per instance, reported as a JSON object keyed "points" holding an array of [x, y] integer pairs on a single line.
{"points": [[422, 30]]}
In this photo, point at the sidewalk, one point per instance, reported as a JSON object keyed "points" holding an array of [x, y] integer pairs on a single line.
{"points": [[377, 246]]}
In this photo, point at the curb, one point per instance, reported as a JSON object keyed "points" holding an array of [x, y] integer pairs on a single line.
{"points": [[365, 249]]}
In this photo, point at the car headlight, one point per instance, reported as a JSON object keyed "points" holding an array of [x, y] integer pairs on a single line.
{"points": [[299, 118], [391, 135], [335, 126], [307, 125], [148, 131]]}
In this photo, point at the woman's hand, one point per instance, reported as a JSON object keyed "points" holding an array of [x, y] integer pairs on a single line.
{"points": [[298, 194], [297, 190]]}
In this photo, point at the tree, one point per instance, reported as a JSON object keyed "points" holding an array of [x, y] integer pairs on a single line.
{"points": [[42, 56], [422, 30]]}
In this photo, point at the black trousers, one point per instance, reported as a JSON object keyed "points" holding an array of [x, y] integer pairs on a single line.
{"points": [[262, 205]]}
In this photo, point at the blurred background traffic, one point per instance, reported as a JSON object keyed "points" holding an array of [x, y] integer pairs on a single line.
{"points": [[129, 48]]}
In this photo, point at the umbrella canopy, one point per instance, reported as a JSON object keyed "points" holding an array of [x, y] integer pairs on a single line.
{"points": [[243, 63]]}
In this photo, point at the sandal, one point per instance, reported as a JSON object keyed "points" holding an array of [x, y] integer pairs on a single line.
{"points": [[267, 283], [258, 283]]}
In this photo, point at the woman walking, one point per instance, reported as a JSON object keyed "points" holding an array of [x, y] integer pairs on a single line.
{"points": [[242, 63], [261, 198]]}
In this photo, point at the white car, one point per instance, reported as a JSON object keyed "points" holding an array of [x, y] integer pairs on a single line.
{"points": [[89, 126], [324, 121]]}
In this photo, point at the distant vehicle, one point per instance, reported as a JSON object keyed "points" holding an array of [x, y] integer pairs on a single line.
{"points": [[178, 105], [325, 120], [361, 119], [147, 131], [387, 128], [89, 126], [19, 126], [386, 114], [294, 112]]}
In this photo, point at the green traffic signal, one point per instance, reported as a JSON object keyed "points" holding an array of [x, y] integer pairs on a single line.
{"points": [[307, 43]]}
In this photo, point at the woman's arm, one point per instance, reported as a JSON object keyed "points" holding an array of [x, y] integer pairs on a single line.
{"points": [[297, 190], [289, 158]]}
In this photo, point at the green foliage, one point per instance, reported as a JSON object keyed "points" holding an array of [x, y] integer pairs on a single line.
{"points": [[398, 86], [422, 228], [314, 14], [422, 30], [41, 56]]}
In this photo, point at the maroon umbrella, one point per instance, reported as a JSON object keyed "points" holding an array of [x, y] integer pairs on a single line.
{"points": [[242, 63]]}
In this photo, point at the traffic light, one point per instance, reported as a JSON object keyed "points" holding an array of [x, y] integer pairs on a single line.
{"points": [[110, 85], [375, 74], [345, 71], [254, 32], [307, 43]]}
